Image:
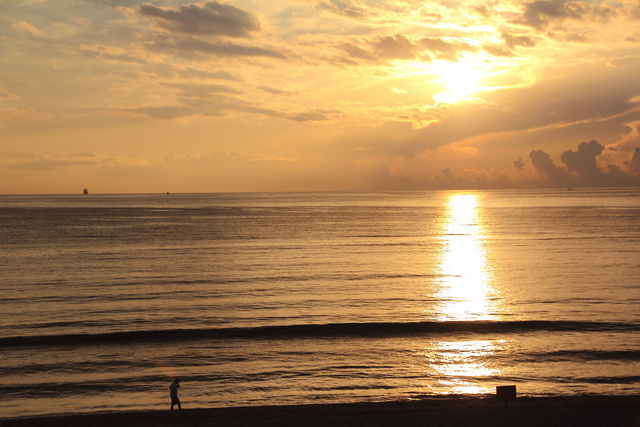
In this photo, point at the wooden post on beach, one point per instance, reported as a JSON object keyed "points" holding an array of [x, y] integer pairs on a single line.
{"points": [[506, 392]]}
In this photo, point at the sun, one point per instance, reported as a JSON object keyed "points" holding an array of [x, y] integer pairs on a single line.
{"points": [[461, 79]]}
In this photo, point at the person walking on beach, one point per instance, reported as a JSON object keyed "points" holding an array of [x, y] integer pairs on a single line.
{"points": [[174, 393]]}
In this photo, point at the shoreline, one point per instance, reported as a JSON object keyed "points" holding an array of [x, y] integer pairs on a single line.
{"points": [[456, 410]]}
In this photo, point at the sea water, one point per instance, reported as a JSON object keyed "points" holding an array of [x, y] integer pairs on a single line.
{"points": [[294, 298]]}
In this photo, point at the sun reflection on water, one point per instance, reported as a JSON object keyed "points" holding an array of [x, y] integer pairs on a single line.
{"points": [[465, 292], [465, 281]]}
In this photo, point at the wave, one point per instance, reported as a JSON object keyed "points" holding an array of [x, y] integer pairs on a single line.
{"points": [[352, 330]]}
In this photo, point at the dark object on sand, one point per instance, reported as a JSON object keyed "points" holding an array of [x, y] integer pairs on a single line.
{"points": [[506, 392], [85, 191]]}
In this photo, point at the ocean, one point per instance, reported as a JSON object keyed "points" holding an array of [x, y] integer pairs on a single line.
{"points": [[297, 298]]}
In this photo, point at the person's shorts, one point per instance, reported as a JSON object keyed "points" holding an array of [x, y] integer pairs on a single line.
{"points": [[175, 400]]}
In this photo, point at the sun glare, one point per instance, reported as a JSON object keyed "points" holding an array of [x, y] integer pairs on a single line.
{"points": [[461, 80], [465, 282]]}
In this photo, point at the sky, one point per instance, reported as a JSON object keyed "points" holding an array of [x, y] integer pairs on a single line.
{"points": [[317, 95]]}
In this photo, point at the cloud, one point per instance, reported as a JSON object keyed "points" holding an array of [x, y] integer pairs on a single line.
{"points": [[446, 49], [30, 161], [381, 49], [7, 95], [276, 91], [498, 51], [634, 164], [513, 41], [193, 102], [26, 28], [210, 19], [343, 8], [194, 90], [394, 47], [112, 54], [167, 112], [543, 164], [581, 168], [194, 48], [540, 14], [203, 74], [518, 164], [583, 161]]}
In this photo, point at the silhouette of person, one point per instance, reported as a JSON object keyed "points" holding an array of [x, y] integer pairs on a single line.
{"points": [[174, 393]]}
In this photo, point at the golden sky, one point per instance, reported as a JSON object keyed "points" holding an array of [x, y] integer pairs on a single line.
{"points": [[293, 95]]}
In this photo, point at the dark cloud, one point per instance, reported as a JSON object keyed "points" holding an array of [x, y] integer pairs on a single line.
{"points": [[583, 161], [581, 168], [210, 19], [540, 14], [518, 164], [543, 164], [634, 164], [309, 116]]}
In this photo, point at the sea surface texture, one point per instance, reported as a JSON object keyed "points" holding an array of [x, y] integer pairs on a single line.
{"points": [[267, 299]]}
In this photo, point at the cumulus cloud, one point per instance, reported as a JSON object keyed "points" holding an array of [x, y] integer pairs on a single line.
{"points": [[634, 164], [542, 162], [210, 19], [581, 168], [583, 161]]}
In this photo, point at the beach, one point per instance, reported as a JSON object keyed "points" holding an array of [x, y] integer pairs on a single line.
{"points": [[432, 411]]}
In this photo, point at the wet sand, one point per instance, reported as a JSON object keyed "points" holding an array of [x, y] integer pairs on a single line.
{"points": [[431, 411]]}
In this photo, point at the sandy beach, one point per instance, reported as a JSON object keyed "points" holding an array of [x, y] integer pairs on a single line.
{"points": [[432, 411]]}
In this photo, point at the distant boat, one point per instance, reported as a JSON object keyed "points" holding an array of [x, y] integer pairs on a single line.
{"points": [[85, 191]]}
